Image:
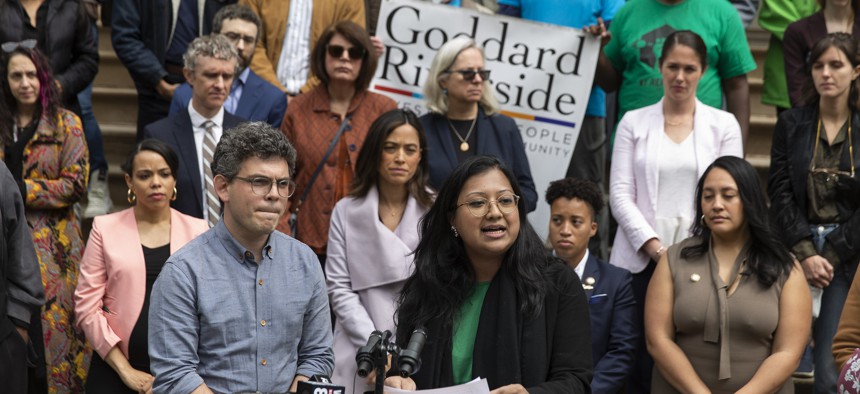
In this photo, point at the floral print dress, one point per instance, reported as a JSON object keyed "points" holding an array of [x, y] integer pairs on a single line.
{"points": [[55, 171]]}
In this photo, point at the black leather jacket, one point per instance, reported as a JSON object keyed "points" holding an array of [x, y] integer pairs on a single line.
{"points": [[790, 157]]}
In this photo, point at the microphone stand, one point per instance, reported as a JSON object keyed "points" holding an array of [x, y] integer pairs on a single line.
{"points": [[380, 360], [374, 356]]}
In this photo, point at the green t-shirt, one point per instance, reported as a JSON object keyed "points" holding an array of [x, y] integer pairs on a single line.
{"points": [[775, 16], [465, 329], [638, 32]]}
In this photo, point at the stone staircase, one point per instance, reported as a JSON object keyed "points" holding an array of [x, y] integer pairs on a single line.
{"points": [[762, 117], [115, 108]]}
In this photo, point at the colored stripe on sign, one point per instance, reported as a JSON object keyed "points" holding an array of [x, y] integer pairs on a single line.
{"points": [[398, 91]]}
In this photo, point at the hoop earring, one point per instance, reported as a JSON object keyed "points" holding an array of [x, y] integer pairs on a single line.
{"points": [[174, 194], [130, 196], [702, 221], [454, 229]]}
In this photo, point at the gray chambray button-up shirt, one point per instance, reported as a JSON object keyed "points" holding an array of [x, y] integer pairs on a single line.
{"points": [[219, 317]]}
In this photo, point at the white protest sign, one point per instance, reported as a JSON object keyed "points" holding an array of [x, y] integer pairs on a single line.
{"points": [[541, 75]]}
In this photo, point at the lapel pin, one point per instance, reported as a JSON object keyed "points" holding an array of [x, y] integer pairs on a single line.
{"points": [[588, 284]]}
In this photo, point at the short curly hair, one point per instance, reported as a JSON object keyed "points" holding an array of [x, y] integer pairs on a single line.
{"points": [[215, 46], [250, 139], [580, 189]]}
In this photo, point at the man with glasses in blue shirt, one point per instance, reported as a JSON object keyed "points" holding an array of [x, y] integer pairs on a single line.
{"points": [[242, 308]]}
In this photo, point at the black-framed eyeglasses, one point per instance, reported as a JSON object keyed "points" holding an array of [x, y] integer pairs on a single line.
{"points": [[261, 185], [469, 74], [479, 207], [236, 37], [336, 51], [10, 46]]}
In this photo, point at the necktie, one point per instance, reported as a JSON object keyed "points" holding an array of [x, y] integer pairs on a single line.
{"points": [[212, 205]]}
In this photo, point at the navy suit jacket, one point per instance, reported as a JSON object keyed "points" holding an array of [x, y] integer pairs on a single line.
{"points": [[614, 328], [498, 136], [260, 100], [177, 132]]}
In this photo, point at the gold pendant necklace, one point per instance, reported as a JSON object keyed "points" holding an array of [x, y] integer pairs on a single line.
{"points": [[464, 144]]}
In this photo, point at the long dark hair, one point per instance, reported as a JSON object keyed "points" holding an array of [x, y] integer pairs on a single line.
{"points": [[443, 276], [768, 258], [49, 103], [367, 165], [849, 46]]}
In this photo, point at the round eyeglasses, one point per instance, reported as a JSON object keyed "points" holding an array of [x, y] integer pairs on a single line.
{"points": [[261, 185], [479, 207]]}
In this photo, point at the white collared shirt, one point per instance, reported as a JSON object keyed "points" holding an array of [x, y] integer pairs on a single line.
{"points": [[580, 268], [294, 63], [197, 121]]}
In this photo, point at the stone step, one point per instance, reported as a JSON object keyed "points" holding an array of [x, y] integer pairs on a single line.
{"points": [[756, 106], [113, 105], [112, 73], [761, 134]]}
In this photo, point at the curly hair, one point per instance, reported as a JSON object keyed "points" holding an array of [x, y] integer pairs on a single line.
{"points": [[579, 189], [250, 139], [215, 46], [49, 102]]}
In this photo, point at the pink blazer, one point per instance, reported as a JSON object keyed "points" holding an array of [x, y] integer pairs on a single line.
{"points": [[633, 178], [112, 283]]}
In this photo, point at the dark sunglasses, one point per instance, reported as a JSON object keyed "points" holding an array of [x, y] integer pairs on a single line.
{"points": [[469, 74], [10, 46], [336, 51]]}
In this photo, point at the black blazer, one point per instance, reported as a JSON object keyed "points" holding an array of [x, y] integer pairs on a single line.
{"points": [[790, 157], [498, 136], [177, 132], [614, 328]]}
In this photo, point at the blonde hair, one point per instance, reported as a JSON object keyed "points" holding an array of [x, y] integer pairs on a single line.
{"points": [[437, 101]]}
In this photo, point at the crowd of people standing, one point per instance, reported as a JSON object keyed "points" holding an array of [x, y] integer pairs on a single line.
{"points": [[281, 213]]}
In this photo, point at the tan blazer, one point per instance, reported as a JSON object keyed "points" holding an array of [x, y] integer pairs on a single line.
{"points": [[112, 283], [274, 15], [847, 337]]}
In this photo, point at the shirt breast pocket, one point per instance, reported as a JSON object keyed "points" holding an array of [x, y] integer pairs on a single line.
{"points": [[598, 299]]}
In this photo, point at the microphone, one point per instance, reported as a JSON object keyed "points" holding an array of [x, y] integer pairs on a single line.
{"points": [[364, 356], [410, 358], [319, 384]]}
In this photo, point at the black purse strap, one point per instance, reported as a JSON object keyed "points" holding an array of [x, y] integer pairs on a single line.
{"points": [[343, 126]]}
